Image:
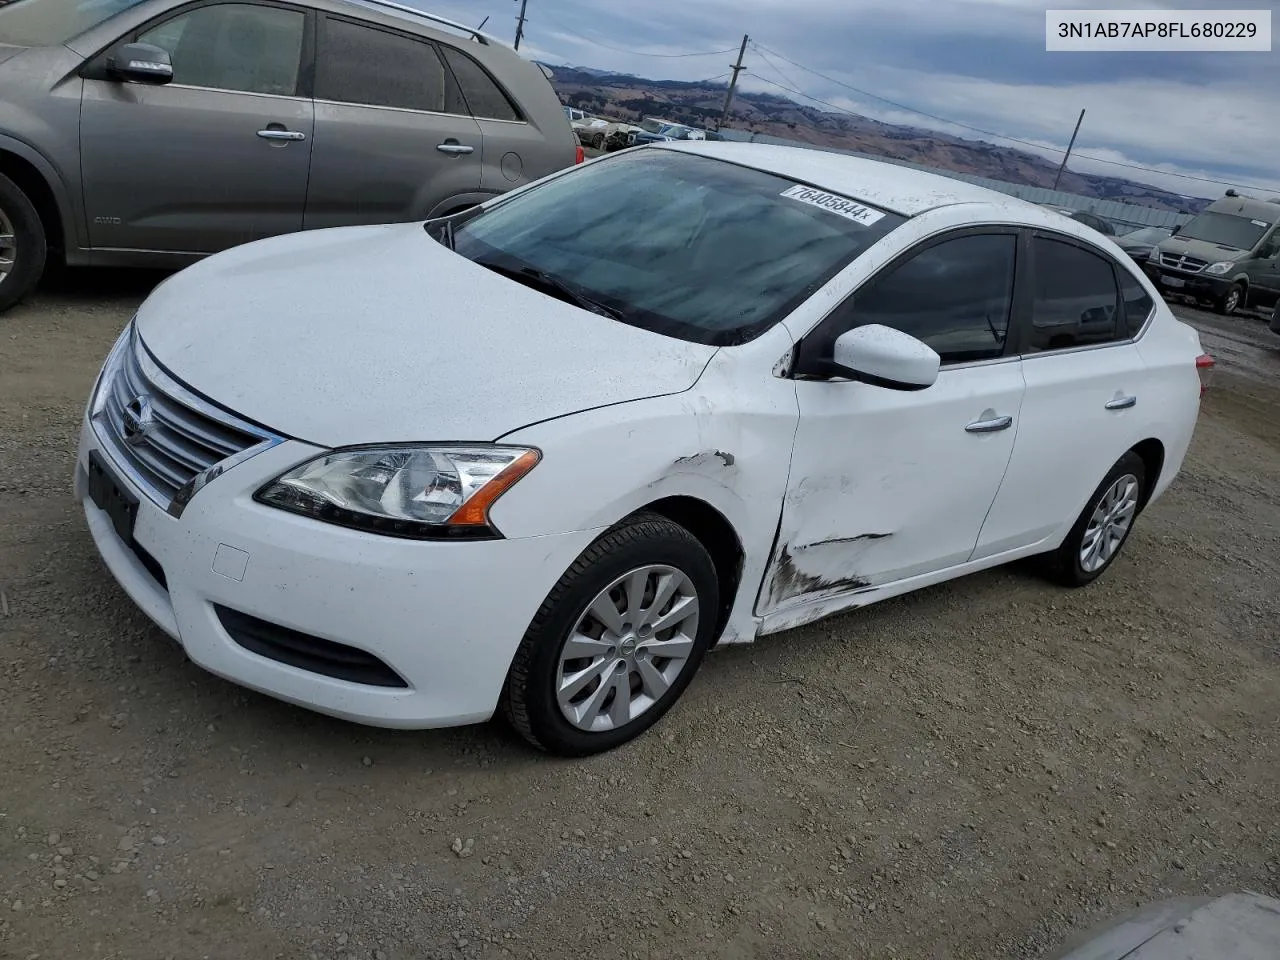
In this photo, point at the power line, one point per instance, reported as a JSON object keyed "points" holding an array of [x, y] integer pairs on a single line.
{"points": [[966, 126], [635, 53]]}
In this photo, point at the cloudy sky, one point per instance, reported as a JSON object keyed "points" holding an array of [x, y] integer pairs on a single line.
{"points": [[979, 62]]}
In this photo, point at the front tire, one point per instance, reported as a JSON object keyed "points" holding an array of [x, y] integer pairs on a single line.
{"points": [[1103, 527], [23, 247], [616, 642], [1229, 302]]}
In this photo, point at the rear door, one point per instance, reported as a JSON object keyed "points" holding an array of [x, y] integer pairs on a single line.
{"points": [[393, 134], [216, 158], [1084, 404]]}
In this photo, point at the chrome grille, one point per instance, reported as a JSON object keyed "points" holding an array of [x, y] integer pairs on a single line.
{"points": [[1182, 262], [180, 443]]}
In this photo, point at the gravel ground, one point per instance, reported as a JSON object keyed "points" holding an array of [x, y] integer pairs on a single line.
{"points": [[975, 770]]}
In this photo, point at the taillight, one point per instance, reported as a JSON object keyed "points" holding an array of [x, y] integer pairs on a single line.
{"points": [[1203, 362], [581, 155]]}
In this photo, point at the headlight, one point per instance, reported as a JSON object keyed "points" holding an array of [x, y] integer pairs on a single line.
{"points": [[420, 492], [98, 396], [1219, 268]]}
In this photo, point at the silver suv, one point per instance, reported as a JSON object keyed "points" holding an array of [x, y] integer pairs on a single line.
{"points": [[155, 132]]}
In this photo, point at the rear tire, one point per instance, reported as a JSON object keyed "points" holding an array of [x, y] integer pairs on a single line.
{"points": [[1103, 527], [1229, 302], [22, 258], [624, 664]]}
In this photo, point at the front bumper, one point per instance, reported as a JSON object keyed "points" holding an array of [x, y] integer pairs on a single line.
{"points": [[1200, 285], [445, 617]]}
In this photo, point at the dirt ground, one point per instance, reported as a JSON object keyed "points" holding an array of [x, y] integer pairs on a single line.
{"points": [[973, 771]]}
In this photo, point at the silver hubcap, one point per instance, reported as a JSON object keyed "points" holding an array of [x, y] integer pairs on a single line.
{"points": [[8, 246], [1110, 523], [628, 648], [1233, 300]]}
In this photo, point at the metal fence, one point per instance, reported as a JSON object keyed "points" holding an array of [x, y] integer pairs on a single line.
{"points": [[1125, 216]]}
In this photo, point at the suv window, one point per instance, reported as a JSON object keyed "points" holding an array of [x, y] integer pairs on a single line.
{"points": [[955, 296], [483, 95], [1076, 301], [1137, 302], [364, 65], [234, 46]]}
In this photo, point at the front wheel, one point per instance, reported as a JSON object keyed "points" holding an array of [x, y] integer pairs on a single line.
{"points": [[22, 244], [1103, 527], [616, 642], [1228, 303]]}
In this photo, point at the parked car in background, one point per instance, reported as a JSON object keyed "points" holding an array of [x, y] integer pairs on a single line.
{"points": [[1229, 255], [1104, 227], [1275, 318], [1140, 243], [764, 343], [654, 130], [591, 132], [155, 132]]}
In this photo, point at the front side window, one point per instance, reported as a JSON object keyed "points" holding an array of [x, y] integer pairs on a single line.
{"points": [[1076, 302], [954, 295], [39, 23], [683, 245], [234, 46], [1224, 229], [362, 65]]}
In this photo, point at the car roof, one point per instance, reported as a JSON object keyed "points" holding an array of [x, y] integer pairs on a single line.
{"points": [[897, 189]]}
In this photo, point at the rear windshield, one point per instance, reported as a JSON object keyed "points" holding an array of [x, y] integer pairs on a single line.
{"points": [[679, 244], [42, 23], [1225, 229]]}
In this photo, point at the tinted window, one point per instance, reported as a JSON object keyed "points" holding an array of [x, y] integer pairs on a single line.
{"points": [[1075, 298], [683, 245], [955, 296], [234, 46], [483, 96], [1137, 302], [362, 65]]}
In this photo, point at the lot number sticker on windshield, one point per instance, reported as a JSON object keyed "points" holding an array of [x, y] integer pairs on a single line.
{"points": [[841, 206]]}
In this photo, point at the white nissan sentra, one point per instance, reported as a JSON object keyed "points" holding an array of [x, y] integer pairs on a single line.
{"points": [[538, 458]]}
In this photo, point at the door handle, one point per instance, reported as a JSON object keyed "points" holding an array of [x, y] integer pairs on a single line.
{"points": [[1121, 403], [453, 148], [990, 426], [281, 135]]}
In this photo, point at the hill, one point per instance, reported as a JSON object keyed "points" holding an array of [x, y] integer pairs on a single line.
{"points": [[630, 98]]}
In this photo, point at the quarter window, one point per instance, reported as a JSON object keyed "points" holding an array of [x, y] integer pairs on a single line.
{"points": [[955, 296], [234, 46], [1137, 302], [1076, 303], [377, 68], [484, 97]]}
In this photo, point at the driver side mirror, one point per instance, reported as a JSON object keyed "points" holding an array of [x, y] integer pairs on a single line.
{"points": [[140, 63], [882, 357]]}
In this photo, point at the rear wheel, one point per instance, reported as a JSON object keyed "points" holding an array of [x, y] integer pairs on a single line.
{"points": [[1103, 527], [616, 642], [22, 244], [1230, 301]]}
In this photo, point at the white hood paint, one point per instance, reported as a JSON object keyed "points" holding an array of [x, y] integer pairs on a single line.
{"points": [[381, 335]]}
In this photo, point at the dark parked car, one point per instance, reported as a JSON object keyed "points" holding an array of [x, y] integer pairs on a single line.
{"points": [[1140, 243]]}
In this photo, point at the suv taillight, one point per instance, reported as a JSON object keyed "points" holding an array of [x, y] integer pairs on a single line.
{"points": [[580, 156], [1204, 362]]}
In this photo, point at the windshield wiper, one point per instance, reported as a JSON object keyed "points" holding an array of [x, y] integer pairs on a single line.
{"points": [[539, 280]]}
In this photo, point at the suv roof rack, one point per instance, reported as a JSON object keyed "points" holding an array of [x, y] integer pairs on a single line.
{"points": [[433, 18]]}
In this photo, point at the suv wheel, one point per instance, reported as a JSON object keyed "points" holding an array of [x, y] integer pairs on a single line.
{"points": [[1229, 301], [22, 244]]}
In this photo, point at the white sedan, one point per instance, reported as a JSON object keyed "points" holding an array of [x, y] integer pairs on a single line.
{"points": [[538, 458]]}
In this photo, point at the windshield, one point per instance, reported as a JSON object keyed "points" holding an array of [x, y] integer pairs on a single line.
{"points": [[682, 245], [1152, 235], [40, 23], [1239, 233]]}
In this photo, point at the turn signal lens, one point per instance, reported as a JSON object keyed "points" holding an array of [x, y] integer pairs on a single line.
{"points": [[580, 156], [1203, 362]]}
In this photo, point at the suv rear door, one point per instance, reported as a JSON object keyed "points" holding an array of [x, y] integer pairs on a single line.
{"points": [[219, 156], [393, 135]]}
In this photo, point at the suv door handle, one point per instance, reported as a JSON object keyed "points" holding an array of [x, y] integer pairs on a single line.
{"points": [[990, 426], [454, 148], [272, 134], [1121, 403]]}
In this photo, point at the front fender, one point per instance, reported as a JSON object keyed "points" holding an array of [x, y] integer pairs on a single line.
{"points": [[72, 233]]}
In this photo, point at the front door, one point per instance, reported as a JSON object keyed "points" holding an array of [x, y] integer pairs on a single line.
{"points": [[889, 484], [1264, 272], [216, 158], [390, 143]]}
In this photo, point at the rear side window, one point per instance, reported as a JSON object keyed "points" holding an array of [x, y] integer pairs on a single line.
{"points": [[954, 296], [363, 65], [1076, 301], [1137, 302], [483, 95]]}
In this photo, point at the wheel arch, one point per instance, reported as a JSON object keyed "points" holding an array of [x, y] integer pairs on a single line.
{"points": [[40, 183], [1152, 452]]}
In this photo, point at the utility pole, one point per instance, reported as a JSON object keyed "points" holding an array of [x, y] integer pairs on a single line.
{"points": [[1066, 155], [733, 83], [520, 23]]}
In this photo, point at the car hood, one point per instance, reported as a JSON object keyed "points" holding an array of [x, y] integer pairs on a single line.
{"points": [[380, 335], [1200, 249]]}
